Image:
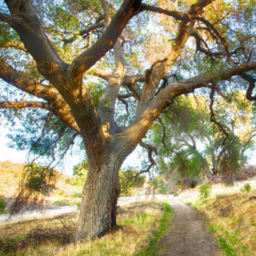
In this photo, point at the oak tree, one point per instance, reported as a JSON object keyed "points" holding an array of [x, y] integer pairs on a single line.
{"points": [[144, 54]]}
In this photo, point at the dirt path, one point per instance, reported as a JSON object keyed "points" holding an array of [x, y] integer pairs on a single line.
{"points": [[187, 235]]}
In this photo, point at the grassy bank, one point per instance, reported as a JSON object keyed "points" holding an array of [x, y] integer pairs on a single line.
{"points": [[140, 227], [232, 219]]}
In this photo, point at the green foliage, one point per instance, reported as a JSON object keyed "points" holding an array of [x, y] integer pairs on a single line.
{"points": [[77, 195], [205, 191], [129, 180], [159, 185], [38, 178], [80, 170], [246, 188], [2, 205]]}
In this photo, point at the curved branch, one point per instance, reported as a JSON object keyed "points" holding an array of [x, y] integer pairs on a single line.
{"points": [[150, 149], [24, 82], [31, 32], [176, 15], [88, 58], [26, 104], [83, 32], [248, 141], [209, 25], [249, 91]]}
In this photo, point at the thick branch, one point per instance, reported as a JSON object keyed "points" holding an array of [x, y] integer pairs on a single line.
{"points": [[88, 58], [26, 104], [31, 32], [202, 80], [27, 84]]}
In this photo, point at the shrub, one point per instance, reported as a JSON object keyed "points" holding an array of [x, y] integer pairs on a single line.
{"points": [[205, 191], [246, 188], [2, 205]]}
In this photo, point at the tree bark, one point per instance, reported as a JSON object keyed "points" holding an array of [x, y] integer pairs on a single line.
{"points": [[99, 199]]}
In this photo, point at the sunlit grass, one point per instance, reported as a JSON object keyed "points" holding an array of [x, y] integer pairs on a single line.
{"points": [[141, 226], [139, 221]]}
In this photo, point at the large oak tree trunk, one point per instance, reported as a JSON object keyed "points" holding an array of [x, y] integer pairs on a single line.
{"points": [[99, 200]]}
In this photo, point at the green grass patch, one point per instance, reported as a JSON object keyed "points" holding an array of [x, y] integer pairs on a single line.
{"points": [[154, 247], [228, 241], [2, 205]]}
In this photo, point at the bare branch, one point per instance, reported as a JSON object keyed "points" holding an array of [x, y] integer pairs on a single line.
{"points": [[212, 117], [248, 141], [249, 91], [83, 32], [125, 96], [150, 149]]}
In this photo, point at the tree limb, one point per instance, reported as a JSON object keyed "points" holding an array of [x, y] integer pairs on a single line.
{"points": [[31, 32], [83, 32], [27, 84], [88, 58], [150, 150], [249, 91], [247, 142], [26, 104]]}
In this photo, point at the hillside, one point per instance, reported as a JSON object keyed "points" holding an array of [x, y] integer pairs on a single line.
{"points": [[10, 175]]}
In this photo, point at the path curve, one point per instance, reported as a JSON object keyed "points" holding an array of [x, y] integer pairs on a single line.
{"points": [[187, 235]]}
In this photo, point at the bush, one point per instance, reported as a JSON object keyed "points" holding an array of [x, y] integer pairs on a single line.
{"points": [[205, 191], [2, 205], [246, 188]]}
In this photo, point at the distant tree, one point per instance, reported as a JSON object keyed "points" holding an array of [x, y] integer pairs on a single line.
{"points": [[189, 142], [104, 72], [129, 180]]}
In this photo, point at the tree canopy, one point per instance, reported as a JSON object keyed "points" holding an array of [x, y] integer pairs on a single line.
{"points": [[105, 71]]}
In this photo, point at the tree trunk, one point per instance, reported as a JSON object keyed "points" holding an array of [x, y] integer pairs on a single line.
{"points": [[99, 200]]}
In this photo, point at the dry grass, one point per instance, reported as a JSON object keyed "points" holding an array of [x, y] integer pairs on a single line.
{"points": [[10, 176], [138, 222]]}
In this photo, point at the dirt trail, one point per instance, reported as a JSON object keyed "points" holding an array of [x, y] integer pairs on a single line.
{"points": [[187, 235]]}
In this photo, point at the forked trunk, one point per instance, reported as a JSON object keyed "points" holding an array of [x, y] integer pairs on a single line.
{"points": [[99, 200]]}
